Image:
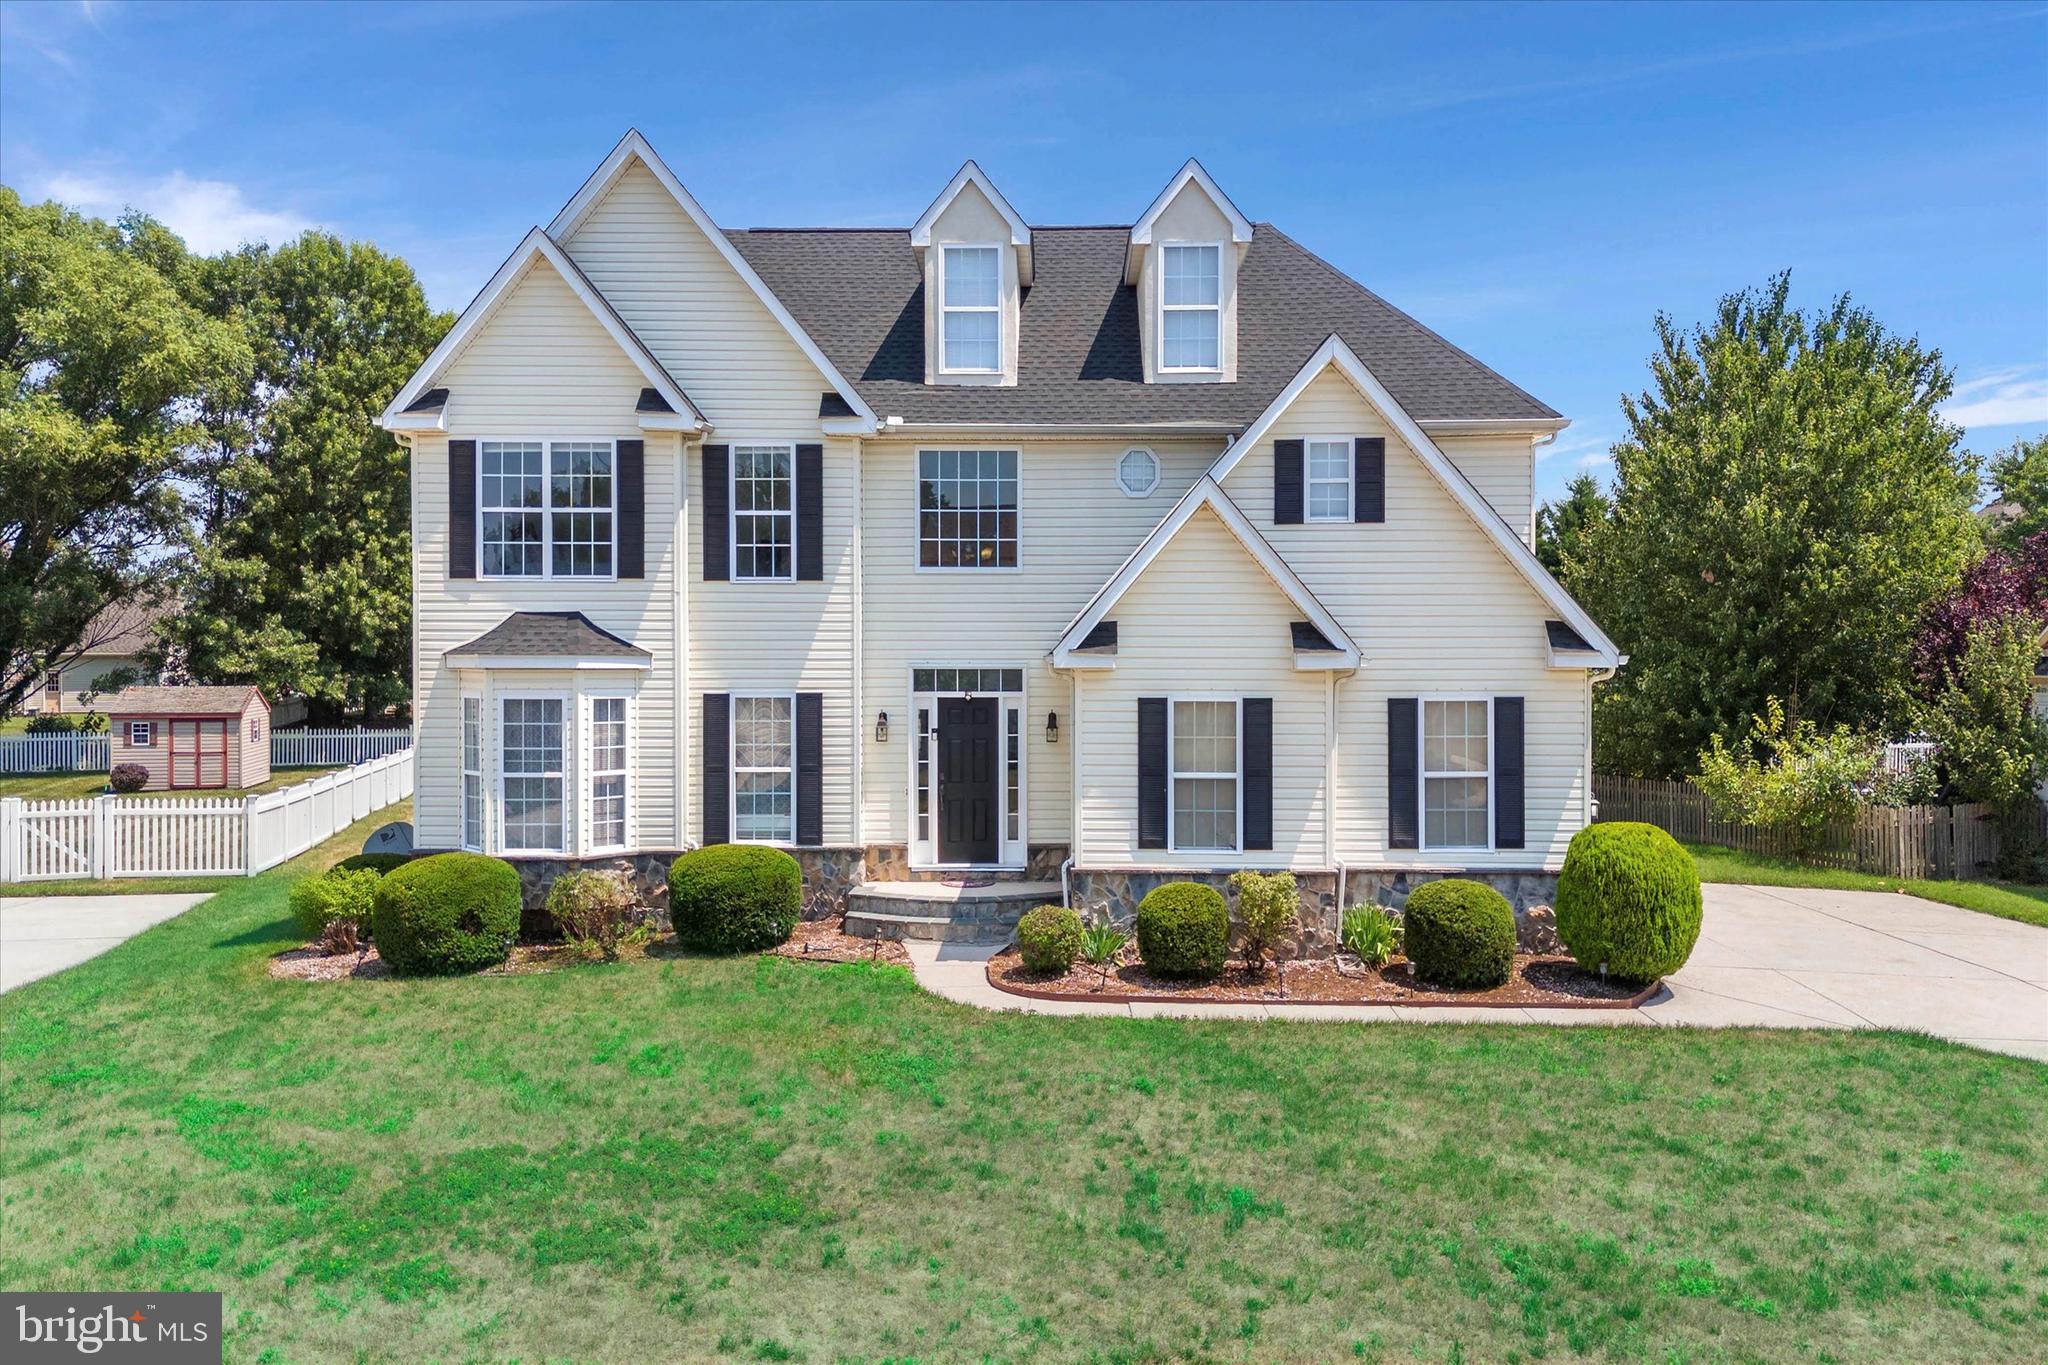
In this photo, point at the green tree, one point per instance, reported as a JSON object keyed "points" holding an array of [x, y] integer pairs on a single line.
{"points": [[1788, 776], [1563, 527], [299, 577], [1787, 503], [1992, 745], [103, 367], [2019, 479]]}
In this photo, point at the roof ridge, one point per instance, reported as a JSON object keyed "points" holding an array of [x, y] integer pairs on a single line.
{"points": [[898, 231], [1410, 319]]}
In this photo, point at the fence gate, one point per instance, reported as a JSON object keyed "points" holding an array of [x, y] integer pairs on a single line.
{"points": [[52, 840]]}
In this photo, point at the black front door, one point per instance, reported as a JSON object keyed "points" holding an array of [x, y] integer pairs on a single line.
{"points": [[967, 780]]}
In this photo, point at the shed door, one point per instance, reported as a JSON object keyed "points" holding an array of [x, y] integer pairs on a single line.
{"points": [[199, 753]]}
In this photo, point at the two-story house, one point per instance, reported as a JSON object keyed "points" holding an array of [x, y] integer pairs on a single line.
{"points": [[982, 551]]}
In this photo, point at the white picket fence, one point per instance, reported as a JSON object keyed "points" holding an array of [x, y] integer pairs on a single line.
{"points": [[288, 749], [140, 836]]}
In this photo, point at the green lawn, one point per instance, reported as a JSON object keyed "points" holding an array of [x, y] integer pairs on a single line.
{"points": [[685, 1158], [67, 786], [2007, 900]]}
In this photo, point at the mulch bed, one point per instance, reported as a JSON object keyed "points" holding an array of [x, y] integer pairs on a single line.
{"points": [[1545, 981], [821, 940]]}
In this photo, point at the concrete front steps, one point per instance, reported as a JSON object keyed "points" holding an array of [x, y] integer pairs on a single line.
{"points": [[936, 912]]}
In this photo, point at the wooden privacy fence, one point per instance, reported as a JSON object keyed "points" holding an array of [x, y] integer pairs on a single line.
{"points": [[139, 836], [288, 749], [1900, 841]]}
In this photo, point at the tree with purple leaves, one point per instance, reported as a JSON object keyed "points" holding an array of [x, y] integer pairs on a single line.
{"points": [[1995, 588]]}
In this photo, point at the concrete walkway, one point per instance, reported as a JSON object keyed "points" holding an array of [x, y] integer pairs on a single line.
{"points": [[44, 934], [1768, 956]]}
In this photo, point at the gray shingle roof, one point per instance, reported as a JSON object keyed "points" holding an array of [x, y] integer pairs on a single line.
{"points": [[860, 295], [551, 634], [1306, 636], [1562, 636], [181, 701]]}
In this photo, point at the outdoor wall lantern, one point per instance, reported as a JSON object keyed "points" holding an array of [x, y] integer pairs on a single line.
{"points": [[882, 727], [1052, 727]]}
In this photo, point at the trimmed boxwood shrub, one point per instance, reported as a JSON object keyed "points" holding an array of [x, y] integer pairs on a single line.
{"points": [[1183, 930], [1049, 938], [340, 893], [1459, 933], [1628, 898], [378, 862], [452, 912], [128, 777], [734, 898]]}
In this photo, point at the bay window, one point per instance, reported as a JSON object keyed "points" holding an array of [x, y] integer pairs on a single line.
{"points": [[608, 751], [531, 814], [473, 773]]}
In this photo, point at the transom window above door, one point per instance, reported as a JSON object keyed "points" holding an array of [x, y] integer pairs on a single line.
{"points": [[546, 509], [763, 513], [971, 328], [967, 509]]}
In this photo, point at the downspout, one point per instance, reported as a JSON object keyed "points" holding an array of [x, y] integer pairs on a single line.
{"points": [[1073, 793], [1330, 794], [683, 646], [856, 822], [1593, 680]]}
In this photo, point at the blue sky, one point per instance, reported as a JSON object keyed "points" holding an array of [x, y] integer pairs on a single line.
{"points": [[1533, 182]]}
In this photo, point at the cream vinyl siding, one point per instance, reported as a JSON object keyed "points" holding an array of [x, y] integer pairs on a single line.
{"points": [[541, 367], [1192, 219], [77, 681], [1075, 528], [970, 220], [1434, 609], [694, 312], [1202, 620], [781, 637], [1503, 469]]}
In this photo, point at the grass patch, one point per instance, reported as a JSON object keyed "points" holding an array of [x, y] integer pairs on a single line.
{"points": [[689, 1158], [70, 786], [2007, 900]]}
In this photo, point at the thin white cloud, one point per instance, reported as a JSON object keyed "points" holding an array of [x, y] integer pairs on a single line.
{"points": [[2002, 398], [211, 215], [1575, 448]]}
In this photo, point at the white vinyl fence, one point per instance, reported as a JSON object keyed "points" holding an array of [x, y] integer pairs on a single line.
{"points": [[288, 749], [142, 836]]}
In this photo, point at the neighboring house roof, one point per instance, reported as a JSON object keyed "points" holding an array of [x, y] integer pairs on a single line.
{"points": [[1334, 353], [125, 628], [1081, 635], [860, 293], [184, 701], [535, 639], [537, 244]]}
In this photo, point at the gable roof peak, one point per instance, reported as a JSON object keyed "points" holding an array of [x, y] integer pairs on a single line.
{"points": [[971, 173], [1240, 226]]}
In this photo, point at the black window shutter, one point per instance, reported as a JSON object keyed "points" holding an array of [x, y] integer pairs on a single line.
{"points": [[1403, 805], [1507, 772], [1258, 772], [810, 515], [1369, 478], [632, 509], [717, 498], [717, 750], [810, 767], [1151, 772], [462, 509], [1287, 461]]}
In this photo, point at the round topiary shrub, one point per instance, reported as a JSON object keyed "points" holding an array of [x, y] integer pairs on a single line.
{"points": [[1459, 933], [1049, 938], [734, 898], [128, 777], [453, 912], [1629, 900], [1183, 930]]}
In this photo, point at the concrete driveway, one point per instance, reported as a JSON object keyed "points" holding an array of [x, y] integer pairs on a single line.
{"points": [[1768, 957], [44, 934]]}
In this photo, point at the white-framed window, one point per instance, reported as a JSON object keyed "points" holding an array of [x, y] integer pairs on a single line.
{"points": [[1190, 307], [473, 773], [764, 769], [546, 509], [1137, 472], [1326, 479], [1205, 757], [141, 734], [967, 509], [764, 513], [1457, 772], [532, 813], [610, 747], [971, 310]]}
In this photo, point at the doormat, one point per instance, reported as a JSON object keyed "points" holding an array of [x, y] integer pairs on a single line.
{"points": [[968, 883]]}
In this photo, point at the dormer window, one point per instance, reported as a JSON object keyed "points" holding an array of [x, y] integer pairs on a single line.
{"points": [[972, 279], [1191, 307]]}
